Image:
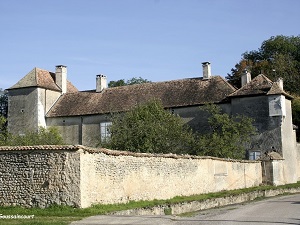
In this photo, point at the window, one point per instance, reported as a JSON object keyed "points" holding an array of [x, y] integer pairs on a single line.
{"points": [[254, 155], [105, 130]]}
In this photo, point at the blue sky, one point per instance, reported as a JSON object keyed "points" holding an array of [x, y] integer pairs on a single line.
{"points": [[158, 40]]}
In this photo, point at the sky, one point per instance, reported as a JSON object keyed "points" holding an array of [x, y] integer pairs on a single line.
{"points": [[157, 40]]}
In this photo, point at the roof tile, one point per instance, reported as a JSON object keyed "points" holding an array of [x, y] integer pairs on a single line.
{"points": [[260, 85], [176, 93], [41, 78]]}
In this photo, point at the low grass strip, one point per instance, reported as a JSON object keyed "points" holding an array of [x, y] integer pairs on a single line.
{"points": [[62, 215]]}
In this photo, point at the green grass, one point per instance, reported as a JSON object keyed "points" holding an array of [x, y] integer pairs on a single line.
{"points": [[59, 215]]}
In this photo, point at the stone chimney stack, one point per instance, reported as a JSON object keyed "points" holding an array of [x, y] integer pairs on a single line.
{"points": [[280, 82], [245, 77], [101, 82], [61, 77], [206, 70]]}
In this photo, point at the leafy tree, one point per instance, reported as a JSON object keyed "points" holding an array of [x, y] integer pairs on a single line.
{"points": [[3, 103], [137, 80], [235, 77], [296, 115], [228, 135], [134, 80], [2, 124], [3, 130], [279, 56], [117, 83], [149, 128], [49, 136]]}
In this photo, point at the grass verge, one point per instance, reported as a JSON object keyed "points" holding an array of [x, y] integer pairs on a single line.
{"points": [[62, 215]]}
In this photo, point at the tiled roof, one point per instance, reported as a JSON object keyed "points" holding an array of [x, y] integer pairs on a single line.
{"points": [[275, 90], [176, 93], [71, 88], [41, 78], [260, 85]]}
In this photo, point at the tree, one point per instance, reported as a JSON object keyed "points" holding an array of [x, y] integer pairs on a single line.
{"points": [[3, 114], [296, 115], [149, 128], [49, 136], [3, 103], [279, 56], [117, 83], [131, 81], [3, 130], [235, 77], [137, 80], [228, 135]]}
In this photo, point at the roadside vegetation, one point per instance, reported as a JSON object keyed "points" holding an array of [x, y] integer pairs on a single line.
{"points": [[62, 215]]}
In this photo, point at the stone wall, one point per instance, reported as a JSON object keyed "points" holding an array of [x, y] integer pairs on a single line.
{"points": [[268, 127], [298, 161], [114, 177], [22, 110], [39, 176], [79, 130], [81, 176], [27, 108], [289, 146]]}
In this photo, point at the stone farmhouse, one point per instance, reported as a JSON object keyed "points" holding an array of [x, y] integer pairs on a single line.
{"points": [[79, 175], [44, 99]]}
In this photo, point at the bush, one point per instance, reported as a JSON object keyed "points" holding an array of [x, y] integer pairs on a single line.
{"points": [[228, 135], [149, 128], [49, 136]]}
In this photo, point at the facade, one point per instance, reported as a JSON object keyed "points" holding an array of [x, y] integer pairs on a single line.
{"points": [[43, 98]]}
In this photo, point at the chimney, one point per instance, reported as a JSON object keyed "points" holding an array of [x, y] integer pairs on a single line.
{"points": [[101, 82], [206, 70], [245, 77], [61, 77], [280, 82]]}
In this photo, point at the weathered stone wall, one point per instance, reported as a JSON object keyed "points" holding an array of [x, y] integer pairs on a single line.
{"points": [[81, 176], [268, 128], [289, 146], [22, 110], [35, 177], [298, 160], [196, 117], [27, 108], [82, 130], [114, 177]]}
